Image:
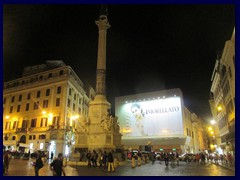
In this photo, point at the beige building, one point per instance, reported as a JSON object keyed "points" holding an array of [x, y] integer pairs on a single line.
{"points": [[45, 109], [194, 129], [160, 121], [222, 101]]}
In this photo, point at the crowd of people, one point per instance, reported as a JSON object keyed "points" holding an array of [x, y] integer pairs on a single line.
{"points": [[106, 160]]}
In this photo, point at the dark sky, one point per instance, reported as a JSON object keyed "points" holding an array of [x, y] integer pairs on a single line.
{"points": [[149, 47]]}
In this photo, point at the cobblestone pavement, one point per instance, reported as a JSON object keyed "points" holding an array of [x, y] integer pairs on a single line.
{"points": [[19, 167]]}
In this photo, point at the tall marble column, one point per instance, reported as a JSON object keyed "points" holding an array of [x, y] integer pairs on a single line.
{"points": [[103, 128]]}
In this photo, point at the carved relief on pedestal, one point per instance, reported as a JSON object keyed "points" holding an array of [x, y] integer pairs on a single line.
{"points": [[83, 124], [110, 123], [96, 112], [93, 139]]}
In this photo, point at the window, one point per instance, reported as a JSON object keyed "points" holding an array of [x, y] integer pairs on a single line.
{"points": [[13, 99], [61, 73], [69, 102], [18, 108], [35, 105], [11, 109], [44, 122], [47, 92], [24, 123], [45, 104], [59, 90], [70, 91], [75, 96], [58, 102], [42, 136], [79, 110], [20, 98], [40, 77], [27, 106], [32, 137], [14, 138], [49, 75], [73, 107], [33, 122], [14, 124], [6, 125], [56, 120], [80, 101], [29, 96], [38, 94], [192, 135]]}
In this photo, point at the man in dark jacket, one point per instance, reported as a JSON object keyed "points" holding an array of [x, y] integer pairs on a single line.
{"points": [[38, 165], [110, 162], [57, 166]]}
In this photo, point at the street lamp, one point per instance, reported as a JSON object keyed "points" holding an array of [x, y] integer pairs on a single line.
{"points": [[213, 122]]}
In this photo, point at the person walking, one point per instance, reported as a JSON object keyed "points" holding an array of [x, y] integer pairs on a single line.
{"points": [[51, 157], [110, 162], [6, 160], [94, 158], [166, 158], [38, 164], [104, 161], [57, 166], [89, 158]]}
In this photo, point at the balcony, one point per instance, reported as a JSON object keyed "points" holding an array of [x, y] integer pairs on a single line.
{"points": [[54, 127], [21, 130]]}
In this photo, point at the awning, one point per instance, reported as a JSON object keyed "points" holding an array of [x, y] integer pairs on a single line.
{"points": [[23, 145], [10, 143]]}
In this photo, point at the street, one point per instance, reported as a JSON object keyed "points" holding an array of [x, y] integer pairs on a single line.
{"points": [[19, 167]]}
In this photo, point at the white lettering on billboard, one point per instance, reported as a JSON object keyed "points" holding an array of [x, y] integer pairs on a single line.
{"points": [[160, 117]]}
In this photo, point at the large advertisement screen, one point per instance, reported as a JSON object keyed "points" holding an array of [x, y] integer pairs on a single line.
{"points": [[159, 117]]}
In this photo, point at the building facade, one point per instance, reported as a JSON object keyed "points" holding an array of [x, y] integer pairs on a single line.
{"points": [[159, 121], [222, 100], [46, 109]]}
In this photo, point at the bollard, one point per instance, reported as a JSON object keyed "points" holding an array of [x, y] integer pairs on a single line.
{"points": [[143, 160], [115, 163], [139, 161], [133, 162]]}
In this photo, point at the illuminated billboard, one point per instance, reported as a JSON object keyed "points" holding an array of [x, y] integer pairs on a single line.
{"points": [[155, 117]]}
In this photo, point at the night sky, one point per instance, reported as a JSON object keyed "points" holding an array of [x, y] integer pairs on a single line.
{"points": [[149, 47]]}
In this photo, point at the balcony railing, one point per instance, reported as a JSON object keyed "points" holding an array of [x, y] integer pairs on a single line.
{"points": [[20, 130]]}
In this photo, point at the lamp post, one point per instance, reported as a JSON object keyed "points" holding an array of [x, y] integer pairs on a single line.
{"points": [[214, 134]]}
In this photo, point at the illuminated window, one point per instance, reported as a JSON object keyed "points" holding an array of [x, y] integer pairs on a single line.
{"points": [[41, 145]]}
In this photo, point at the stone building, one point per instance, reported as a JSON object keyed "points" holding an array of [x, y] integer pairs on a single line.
{"points": [[45, 109], [222, 100]]}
